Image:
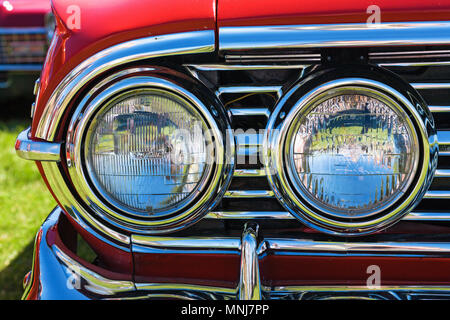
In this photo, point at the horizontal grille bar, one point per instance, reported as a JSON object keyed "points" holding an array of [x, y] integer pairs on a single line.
{"points": [[285, 215], [246, 173], [252, 89], [249, 194], [436, 85]]}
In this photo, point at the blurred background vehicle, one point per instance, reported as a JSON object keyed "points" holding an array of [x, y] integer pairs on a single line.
{"points": [[26, 27], [25, 30]]}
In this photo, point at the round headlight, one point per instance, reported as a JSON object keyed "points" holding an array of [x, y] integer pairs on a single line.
{"points": [[148, 153], [354, 152], [350, 155]]}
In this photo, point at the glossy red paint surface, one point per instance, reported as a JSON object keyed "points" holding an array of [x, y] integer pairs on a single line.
{"points": [[287, 12], [105, 24], [278, 270], [23, 13], [207, 269]]}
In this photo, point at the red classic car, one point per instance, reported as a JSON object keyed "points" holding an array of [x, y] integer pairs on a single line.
{"points": [[26, 27], [244, 149]]}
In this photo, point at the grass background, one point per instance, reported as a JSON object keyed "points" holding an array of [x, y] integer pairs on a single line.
{"points": [[24, 204]]}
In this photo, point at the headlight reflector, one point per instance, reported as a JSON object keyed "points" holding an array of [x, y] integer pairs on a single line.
{"points": [[354, 154], [147, 152]]}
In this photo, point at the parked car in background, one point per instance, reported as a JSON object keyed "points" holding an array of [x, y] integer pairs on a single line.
{"points": [[243, 150], [25, 30]]}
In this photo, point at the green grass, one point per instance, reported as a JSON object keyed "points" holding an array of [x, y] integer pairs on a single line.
{"points": [[24, 203]]}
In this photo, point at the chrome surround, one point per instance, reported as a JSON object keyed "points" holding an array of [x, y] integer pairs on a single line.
{"points": [[107, 59], [37, 150], [70, 204], [208, 194], [333, 35], [319, 96], [291, 197]]}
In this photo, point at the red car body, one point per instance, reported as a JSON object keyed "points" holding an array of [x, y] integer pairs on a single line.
{"points": [[122, 21]]}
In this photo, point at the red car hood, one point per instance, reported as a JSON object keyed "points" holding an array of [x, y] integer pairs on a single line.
{"points": [[23, 13], [301, 12]]}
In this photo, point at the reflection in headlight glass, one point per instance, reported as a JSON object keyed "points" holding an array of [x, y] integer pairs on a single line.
{"points": [[148, 152], [353, 154]]}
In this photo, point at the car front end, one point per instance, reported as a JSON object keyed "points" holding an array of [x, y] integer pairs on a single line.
{"points": [[244, 152]]}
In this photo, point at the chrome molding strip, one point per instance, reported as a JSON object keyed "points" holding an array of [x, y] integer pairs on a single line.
{"points": [[249, 112], [355, 248], [437, 194], [21, 67], [414, 64], [333, 35], [250, 89], [249, 281], [428, 216], [250, 215], [37, 150], [249, 194], [249, 173], [93, 281], [442, 173], [358, 292], [443, 138], [402, 54], [185, 289], [152, 244], [225, 67], [284, 215], [31, 30], [281, 56], [439, 109], [127, 52], [426, 85]]}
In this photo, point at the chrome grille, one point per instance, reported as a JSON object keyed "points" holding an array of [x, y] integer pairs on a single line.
{"points": [[22, 46], [250, 196]]}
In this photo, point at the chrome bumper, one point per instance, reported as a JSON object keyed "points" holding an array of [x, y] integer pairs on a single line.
{"points": [[54, 272]]}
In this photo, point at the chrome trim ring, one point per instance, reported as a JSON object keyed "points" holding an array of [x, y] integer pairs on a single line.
{"points": [[328, 93], [333, 35], [298, 99], [212, 188]]}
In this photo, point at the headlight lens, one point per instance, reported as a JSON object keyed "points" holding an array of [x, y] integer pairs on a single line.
{"points": [[147, 152], [353, 154]]}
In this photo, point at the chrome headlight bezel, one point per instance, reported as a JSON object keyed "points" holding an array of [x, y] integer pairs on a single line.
{"points": [[297, 101], [99, 99]]}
